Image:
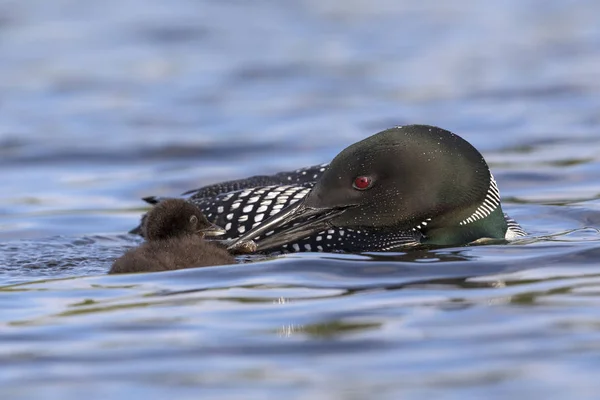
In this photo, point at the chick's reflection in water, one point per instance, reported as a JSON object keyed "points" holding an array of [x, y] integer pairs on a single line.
{"points": [[175, 233]]}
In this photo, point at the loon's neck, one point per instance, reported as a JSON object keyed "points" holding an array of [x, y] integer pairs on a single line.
{"points": [[493, 226]]}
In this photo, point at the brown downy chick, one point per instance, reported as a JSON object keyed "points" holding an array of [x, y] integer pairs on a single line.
{"points": [[174, 230]]}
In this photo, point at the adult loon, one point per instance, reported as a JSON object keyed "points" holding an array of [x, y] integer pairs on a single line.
{"points": [[174, 230], [404, 186]]}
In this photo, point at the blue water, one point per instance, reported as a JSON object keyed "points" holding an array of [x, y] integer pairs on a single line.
{"points": [[102, 103]]}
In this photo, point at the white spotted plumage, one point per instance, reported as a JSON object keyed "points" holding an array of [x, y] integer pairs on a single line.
{"points": [[251, 206]]}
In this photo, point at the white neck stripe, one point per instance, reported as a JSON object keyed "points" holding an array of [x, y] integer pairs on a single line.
{"points": [[489, 205]]}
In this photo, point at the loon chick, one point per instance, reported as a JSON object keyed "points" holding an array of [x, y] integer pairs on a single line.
{"points": [[404, 186], [174, 230]]}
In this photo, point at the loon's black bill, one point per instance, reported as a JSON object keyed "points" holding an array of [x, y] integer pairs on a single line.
{"points": [[303, 221], [212, 230]]}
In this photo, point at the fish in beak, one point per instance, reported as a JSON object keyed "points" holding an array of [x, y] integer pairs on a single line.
{"points": [[212, 230]]}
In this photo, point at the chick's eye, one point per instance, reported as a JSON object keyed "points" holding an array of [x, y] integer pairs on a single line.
{"points": [[193, 219], [362, 182]]}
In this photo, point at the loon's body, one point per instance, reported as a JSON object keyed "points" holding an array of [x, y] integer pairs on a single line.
{"points": [[174, 230], [401, 187]]}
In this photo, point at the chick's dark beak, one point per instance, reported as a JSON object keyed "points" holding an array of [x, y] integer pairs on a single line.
{"points": [[298, 221]]}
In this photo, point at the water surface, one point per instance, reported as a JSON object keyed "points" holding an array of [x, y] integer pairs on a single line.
{"points": [[104, 103]]}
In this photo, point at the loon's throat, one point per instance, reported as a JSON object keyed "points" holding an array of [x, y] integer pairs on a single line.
{"points": [[485, 219]]}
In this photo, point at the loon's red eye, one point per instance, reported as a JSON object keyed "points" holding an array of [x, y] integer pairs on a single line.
{"points": [[362, 182]]}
